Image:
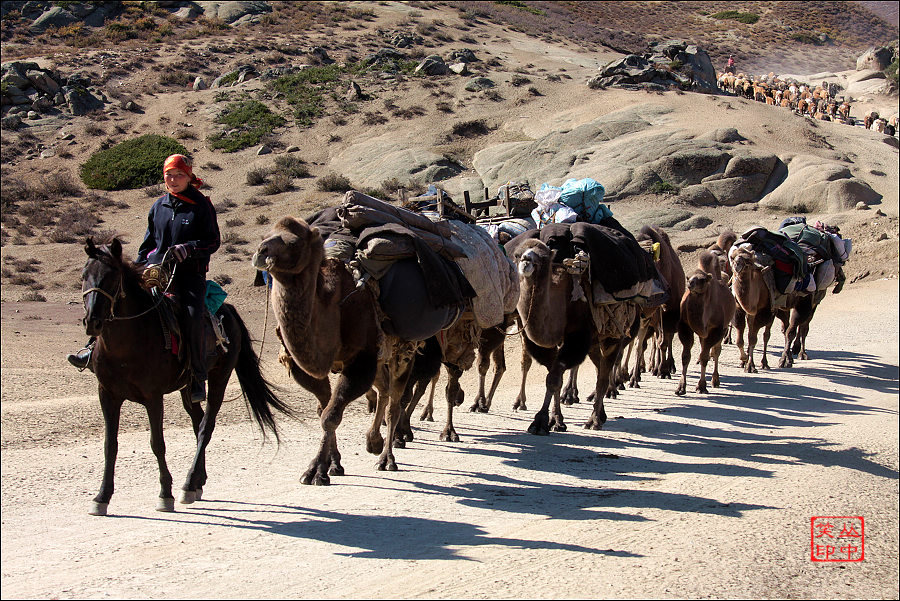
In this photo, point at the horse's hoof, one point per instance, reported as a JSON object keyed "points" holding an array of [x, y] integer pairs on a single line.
{"points": [[166, 505], [98, 508], [187, 497]]}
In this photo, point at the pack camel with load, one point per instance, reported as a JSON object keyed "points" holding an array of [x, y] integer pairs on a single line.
{"points": [[350, 294]]}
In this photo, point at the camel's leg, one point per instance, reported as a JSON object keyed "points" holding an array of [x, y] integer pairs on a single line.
{"points": [[374, 439], [455, 396], [752, 334], [667, 354], [570, 390], [541, 423], [704, 359], [158, 444], [740, 323], [686, 336], [428, 410], [604, 356], [112, 410], [355, 379], [499, 360], [372, 399], [716, 351], [635, 377], [639, 344], [397, 378], [767, 333], [526, 365]]}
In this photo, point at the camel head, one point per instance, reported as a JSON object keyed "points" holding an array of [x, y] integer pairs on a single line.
{"points": [[531, 257], [742, 258], [291, 247], [699, 282], [711, 263]]}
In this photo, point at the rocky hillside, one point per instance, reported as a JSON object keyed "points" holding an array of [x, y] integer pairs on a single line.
{"points": [[378, 96]]}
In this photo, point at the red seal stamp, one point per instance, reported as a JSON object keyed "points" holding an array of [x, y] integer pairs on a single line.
{"points": [[837, 538]]}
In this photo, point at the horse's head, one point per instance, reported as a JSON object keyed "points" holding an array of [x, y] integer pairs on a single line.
{"points": [[101, 283]]}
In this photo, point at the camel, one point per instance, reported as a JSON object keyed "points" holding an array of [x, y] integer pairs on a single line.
{"points": [[559, 332], [669, 267], [707, 308], [754, 306], [326, 323]]}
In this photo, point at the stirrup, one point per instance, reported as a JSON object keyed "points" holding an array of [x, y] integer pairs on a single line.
{"points": [[81, 359]]}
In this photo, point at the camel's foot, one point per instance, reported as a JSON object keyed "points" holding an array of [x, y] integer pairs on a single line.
{"points": [[595, 422], [427, 415], [540, 426], [374, 443], [449, 435], [612, 393], [166, 504], [715, 380], [386, 463], [336, 469], [557, 424], [316, 475], [786, 361], [682, 388], [570, 398], [750, 368], [764, 364], [480, 405], [803, 356], [98, 508], [519, 405], [701, 387], [632, 383]]}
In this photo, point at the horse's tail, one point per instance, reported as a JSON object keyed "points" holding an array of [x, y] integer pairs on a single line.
{"points": [[258, 392]]}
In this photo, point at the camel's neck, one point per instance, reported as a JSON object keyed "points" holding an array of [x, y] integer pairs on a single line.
{"points": [[750, 290], [309, 318], [542, 306]]}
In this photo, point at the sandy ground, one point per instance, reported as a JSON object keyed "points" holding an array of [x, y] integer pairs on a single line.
{"points": [[699, 496]]}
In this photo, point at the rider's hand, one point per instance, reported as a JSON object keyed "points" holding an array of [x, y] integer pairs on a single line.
{"points": [[181, 252]]}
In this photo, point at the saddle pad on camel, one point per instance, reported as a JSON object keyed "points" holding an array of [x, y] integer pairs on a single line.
{"points": [[491, 274], [403, 297]]}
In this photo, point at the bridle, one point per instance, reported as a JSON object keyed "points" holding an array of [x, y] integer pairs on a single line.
{"points": [[120, 294]]}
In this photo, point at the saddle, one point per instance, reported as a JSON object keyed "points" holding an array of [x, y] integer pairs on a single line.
{"points": [[155, 280]]}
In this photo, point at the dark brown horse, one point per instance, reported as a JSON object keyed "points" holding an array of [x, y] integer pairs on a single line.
{"points": [[131, 361]]}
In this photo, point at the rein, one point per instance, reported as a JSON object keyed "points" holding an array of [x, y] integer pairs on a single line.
{"points": [[120, 294]]}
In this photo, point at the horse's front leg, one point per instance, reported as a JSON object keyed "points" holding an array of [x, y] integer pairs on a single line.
{"points": [[112, 409], [154, 408]]}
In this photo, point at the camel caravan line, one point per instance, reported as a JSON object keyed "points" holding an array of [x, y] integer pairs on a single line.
{"points": [[373, 298], [820, 102]]}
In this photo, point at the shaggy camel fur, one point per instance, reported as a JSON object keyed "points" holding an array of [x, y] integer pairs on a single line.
{"points": [[327, 324], [754, 306], [669, 267], [707, 308], [560, 332], [721, 247]]}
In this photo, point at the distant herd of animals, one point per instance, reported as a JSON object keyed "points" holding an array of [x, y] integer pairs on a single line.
{"points": [[372, 298], [820, 102]]}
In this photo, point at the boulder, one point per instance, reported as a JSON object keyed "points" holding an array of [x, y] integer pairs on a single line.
{"points": [[878, 59], [480, 84], [462, 56], [56, 16], [199, 84], [43, 81], [814, 185], [80, 101], [229, 12], [432, 65], [460, 68]]}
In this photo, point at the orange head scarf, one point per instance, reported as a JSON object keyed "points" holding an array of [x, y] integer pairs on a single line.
{"points": [[179, 161]]}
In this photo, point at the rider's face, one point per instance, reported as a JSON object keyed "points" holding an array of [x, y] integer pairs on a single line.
{"points": [[177, 180]]}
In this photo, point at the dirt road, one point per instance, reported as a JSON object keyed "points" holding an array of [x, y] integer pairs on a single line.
{"points": [[698, 496]]}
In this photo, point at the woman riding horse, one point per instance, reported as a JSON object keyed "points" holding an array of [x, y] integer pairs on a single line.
{"points": [[183, 223]]}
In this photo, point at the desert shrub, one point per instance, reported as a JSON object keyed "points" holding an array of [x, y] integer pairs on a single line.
{"points": [[806, 38], [522, 6], [734, 15], [370, 118], [131, 164], [534, 91], [305, 91], [334, 182], [236, 222], [291, 166], [444, 107], [222, 279], [279, 183], [33, 296], [519, 80], [262, 219], [256, 201], [470, 129], [891, 71], [248, 122], [664, 188], [257, 177], [231, 237]]}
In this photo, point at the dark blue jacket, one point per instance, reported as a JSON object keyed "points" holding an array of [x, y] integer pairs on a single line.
{"points": [[173, 221]]}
